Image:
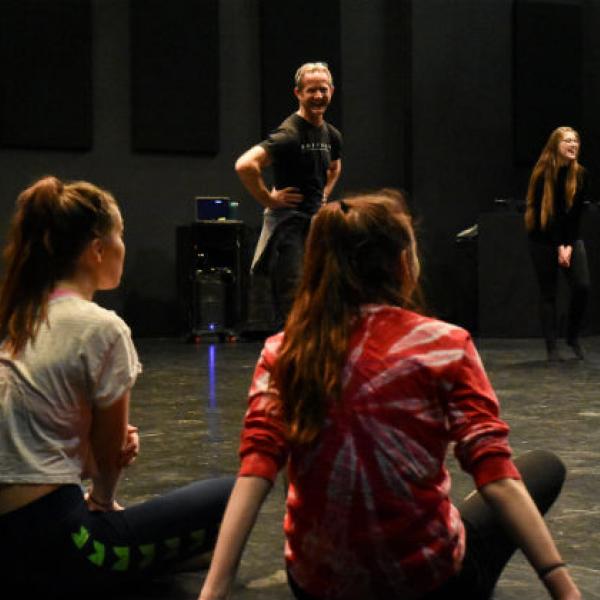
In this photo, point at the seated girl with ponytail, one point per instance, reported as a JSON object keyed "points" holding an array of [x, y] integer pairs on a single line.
{"points": [[67, 367], [360, 398]]}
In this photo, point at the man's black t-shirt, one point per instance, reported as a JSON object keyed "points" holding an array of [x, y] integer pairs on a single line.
{"points": [[301, 154]]}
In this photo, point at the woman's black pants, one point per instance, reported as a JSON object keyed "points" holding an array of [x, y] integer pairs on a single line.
{"points": [[56, 548], [545, 263]]}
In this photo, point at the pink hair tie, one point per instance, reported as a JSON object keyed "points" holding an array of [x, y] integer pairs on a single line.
{"points": [[61, 292]]}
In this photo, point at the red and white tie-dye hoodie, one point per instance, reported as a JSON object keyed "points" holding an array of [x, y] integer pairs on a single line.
{"points": [[368, 510]]}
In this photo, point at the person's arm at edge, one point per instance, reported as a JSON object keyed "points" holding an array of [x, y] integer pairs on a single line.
{"points": [[517, 511], [333, 174], [240, 515], [108, 437], [487, 458]]}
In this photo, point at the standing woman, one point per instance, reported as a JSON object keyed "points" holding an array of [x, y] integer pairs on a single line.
{"points": [[67, 367], [557, 190], [361, 397]]}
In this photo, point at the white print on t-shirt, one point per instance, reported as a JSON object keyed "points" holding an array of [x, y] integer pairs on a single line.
{"points": [[315, 147]]}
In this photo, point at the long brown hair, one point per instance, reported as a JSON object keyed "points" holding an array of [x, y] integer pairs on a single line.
{"points": [[51, 226], [360, 250], [547, 167]]}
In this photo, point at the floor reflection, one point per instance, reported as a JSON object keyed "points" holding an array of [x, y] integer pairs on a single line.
{"points": [[189, 405]]}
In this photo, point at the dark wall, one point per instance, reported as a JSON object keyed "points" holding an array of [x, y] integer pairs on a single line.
{"points": [[284, 48], [426, 99], [591, 90], [462, 133], [155, 190], [463, 122], [377, 79]]}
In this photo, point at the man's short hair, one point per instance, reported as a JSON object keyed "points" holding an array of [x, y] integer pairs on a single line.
{"points": [[310, 67]]}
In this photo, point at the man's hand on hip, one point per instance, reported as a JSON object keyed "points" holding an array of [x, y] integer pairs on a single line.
{"points": [[288, 197]]}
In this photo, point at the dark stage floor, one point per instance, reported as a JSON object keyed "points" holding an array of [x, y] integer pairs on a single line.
{"points": [[189, 404]]}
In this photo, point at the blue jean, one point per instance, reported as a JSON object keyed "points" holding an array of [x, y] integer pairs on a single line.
{"points": [[488, 547], [282, 260], [56, 547], [286, 268]]}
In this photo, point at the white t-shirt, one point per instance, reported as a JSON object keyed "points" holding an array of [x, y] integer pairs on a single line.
{"points": [[83, 357]]}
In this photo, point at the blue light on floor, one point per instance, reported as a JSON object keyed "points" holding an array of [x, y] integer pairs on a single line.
{"points": [[212, 394]]}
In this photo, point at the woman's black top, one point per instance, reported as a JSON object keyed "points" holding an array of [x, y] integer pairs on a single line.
{"points": [[564, 225]]}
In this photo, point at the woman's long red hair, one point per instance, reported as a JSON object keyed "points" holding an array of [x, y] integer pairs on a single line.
{"points": [[361, 250], [547, 167]]}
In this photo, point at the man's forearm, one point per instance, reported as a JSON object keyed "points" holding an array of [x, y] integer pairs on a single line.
{"points": [[333, 174], [249, 167], [253, 181]]}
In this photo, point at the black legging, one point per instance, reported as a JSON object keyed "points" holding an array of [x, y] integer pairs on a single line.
{"points": [[488, 547], [55, 547], [545, 263]]}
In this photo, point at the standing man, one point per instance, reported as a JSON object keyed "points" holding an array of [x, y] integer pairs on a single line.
{"points": [[304, 152]]}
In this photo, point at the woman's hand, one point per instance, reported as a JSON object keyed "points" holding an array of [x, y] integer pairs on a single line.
{"points": [[205, 594], [97, 505], [560, 586], [132, 446], [109, 436], [242, 509], [523, 522], [564, 256], [129, 453]]}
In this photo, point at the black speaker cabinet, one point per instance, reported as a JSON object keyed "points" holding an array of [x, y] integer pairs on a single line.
{"points": [[210, 303], [212, 276]]}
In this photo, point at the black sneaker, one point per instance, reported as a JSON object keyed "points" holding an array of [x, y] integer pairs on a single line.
{"points": [[554, 356], [577, 349]]}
